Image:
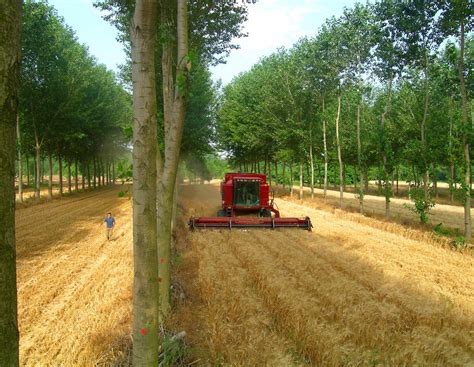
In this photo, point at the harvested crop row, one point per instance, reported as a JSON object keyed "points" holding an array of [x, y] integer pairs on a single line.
{"points": [[74, 285], [236, 328], [348, 293]]}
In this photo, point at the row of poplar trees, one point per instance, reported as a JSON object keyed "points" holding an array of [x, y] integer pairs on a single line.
{"points": [[72, 110], [56, 103], [384, 88]]}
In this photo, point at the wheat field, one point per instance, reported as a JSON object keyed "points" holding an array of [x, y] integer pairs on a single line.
{"points": [[355, 291], [349, 293]]}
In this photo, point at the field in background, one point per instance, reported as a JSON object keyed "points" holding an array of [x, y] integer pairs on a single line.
{"points": [[355, 290], [450, 216]]}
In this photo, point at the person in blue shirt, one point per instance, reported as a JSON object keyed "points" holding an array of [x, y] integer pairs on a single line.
{"points": [[110, 224]]}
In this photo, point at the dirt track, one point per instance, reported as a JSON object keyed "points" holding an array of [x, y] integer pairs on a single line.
{"points": [[348, 293]]}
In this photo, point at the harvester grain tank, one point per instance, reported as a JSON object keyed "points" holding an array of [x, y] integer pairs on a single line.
{"points": [[246, 203]]}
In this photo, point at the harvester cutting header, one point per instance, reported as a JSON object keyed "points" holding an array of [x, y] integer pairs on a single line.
{"points": [[244, 195]]}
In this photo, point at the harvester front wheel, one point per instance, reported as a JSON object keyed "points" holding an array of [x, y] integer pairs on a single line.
{"points": [[266, 213], [221, 213]]}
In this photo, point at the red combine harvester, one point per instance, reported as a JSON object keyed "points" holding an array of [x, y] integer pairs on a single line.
{"points": [[247, 193]]}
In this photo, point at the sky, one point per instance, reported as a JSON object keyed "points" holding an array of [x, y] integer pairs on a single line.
{"points": [[271, 24]]}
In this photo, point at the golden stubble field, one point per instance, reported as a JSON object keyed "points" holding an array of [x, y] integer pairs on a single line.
{"points": [[354, 291], [74, 286]]}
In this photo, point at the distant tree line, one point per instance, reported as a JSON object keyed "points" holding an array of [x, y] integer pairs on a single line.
{"points": [[74, 116], [382, 92]]}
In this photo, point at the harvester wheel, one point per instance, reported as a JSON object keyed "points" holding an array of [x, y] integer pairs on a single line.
{"points": [[221, 213], [266, 213]]}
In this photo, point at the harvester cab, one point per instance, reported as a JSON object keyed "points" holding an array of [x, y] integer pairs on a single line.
{"points": [[246, 203]]}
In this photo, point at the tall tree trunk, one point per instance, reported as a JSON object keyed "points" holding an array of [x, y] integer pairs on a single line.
{"points": [[20, 162], [83, 181], [270, 172], [60, 163], [301, 179], [311, 160], [283, 176], [398, 177], [88, 175], [435, 180], [339, 153], [366, 178], [27, 170], [276, 176], [69, 184], [450, 152], [76, 176], [384, 152], [113, 172], [42, 170], [9, 69], [94, 172], [50, 179], [291, 178], [38, 166], [320, 182], [325, 153], [146, 342], [174, 124], [465, 139], [359, 163], [426, 172]]}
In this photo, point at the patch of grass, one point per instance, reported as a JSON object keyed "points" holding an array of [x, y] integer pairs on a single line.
{"points": [[442, 231], [459, 242], [173, 350]]}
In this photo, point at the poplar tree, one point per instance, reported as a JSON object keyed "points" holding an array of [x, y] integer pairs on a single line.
{"points": [[10, 22]]}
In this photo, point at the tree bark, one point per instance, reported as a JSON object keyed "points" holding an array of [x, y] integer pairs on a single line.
{"points": [[270, 172], [384, 153], [283, 178], [325, 153], [27, 170], [339, 153], [88, 175], [426, 173], [291, 178], [20, 162], [50, 179], [60, 163], [83, 176], [146, 342], [38, 166], [94, 172], [301, 179], [311, 160], [9, 69], [174, 124], [276, 176], [359, 164], [467, 159], [76, 176], [69, 184]]}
